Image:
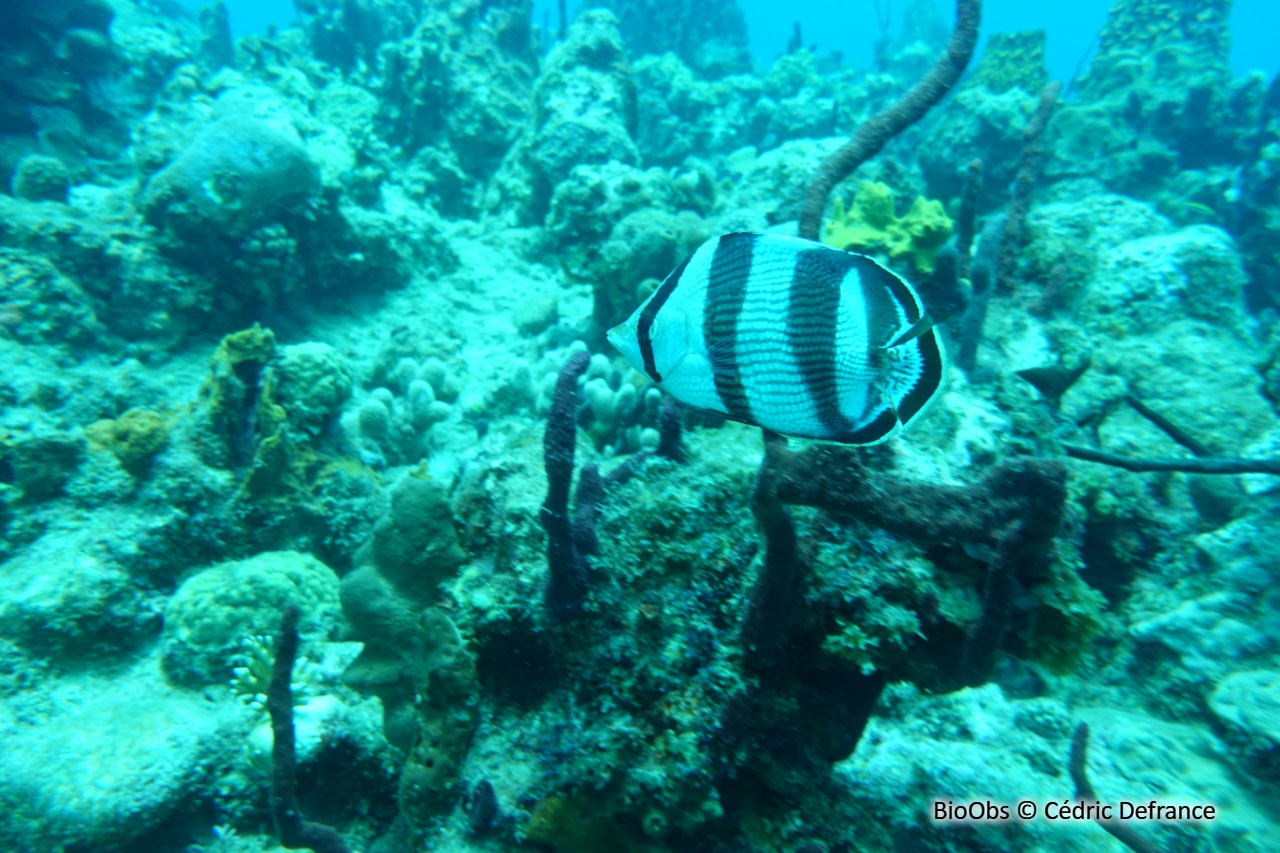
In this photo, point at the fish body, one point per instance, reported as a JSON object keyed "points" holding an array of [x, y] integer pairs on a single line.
{"points": [[791, 335]]}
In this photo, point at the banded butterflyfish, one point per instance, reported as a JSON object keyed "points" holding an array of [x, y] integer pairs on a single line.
{"points": [[794, 336]]}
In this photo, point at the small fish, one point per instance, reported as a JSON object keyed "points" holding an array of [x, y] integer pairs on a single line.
{"points": [[791, 335], [1198, 207]]}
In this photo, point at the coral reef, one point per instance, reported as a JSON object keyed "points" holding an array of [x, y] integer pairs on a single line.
{"points": [[710, 37], [880, 128], [1011, 60], [311, 323], [1181, 110], [585, 116]]}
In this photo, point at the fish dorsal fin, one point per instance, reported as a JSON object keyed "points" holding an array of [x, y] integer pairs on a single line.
{"points": [[918, 328]]}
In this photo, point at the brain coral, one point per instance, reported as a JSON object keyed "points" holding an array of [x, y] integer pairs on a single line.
{"points": [[314, 383], [235, 175], [214, 609]]}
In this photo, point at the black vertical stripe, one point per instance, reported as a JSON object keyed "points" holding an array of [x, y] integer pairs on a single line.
{"points": [[883, 291], [883, 282], [644, 328], [883, 424], [883, 294], [726, 292], [882, 301], [930, 377], [812, 322]]}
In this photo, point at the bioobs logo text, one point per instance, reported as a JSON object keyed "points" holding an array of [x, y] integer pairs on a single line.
{"points": [[983, 810]]}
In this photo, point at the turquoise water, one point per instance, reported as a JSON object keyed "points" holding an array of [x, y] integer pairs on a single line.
{"points": [[853, 28], [330, 517]]}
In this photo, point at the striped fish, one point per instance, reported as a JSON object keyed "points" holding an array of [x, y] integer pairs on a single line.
{"points": [[790, 335]]}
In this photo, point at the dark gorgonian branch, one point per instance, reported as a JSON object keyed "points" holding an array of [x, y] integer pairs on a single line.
{"points": [[1203, 463], [1198, 465], [295, 833], [876, 131], [1078, 767]]}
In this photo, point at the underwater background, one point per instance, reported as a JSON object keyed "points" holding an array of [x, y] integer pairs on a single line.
{"points": [[330, 519]]}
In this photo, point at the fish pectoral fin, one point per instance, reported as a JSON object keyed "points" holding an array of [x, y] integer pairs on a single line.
{"points": [[719, 355], [918, 328]]}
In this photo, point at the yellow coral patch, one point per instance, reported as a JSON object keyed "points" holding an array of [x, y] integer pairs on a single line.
{"points": [[870, 224], [133, 438]]}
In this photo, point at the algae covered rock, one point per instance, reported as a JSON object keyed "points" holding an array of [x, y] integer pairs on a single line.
{"points": [[235, 175], [1144, 284], [584, 115], [980, 123], [101, 766], [964, 746], [1248, 705], [1012, 60], [43, 304], [1206, 633], [680, 115], [452, 76], [216, 607], [40, 464], [585, 207], [1157, 99], [1163, 311], [708, 35], [772, 183], [40, 177], [59, 601]]}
